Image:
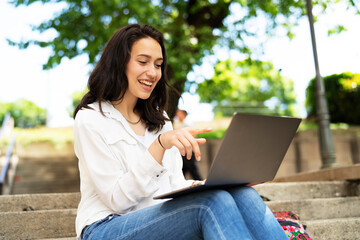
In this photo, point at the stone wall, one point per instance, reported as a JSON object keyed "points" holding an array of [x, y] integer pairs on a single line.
{"points": [[44, 150]]}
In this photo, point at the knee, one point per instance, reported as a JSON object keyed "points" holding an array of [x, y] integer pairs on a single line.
{"points": [[219, 198], [248, 198], [246, 194]]}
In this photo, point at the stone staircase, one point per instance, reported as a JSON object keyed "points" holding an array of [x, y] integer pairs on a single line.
{"points": [[329, 209], [38, 216], [46, 175]]}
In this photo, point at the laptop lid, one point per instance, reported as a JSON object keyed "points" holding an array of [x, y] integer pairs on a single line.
{"points": [[252, 149]]}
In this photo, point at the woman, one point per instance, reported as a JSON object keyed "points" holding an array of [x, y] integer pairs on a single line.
{"points": [[128, 152]]}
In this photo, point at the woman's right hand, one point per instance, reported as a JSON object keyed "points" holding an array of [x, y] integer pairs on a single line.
{"points": [[185, 140]]}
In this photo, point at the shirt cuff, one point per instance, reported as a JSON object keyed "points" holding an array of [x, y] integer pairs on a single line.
{"points": [[155, 169]]}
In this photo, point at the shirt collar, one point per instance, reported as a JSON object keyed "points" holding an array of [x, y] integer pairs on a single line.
{"points": [[111, 112], [108, 109]]}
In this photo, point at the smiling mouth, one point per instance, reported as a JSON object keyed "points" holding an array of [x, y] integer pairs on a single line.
{"points": [[147, 83]]}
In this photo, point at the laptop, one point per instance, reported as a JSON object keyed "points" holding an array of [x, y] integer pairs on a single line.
{"points": [[251, 152]]}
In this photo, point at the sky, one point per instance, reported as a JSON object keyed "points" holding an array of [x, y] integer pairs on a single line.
{"points": [[21, 74]]}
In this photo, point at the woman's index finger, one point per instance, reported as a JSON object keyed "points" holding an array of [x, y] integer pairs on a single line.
{"points": [[196, 131]]}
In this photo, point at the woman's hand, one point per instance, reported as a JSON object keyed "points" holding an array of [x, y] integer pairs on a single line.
{"points": [[185, 140], [198, 182]]}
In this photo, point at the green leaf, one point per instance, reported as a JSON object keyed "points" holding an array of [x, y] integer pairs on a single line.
{"points": [[336, 30]]}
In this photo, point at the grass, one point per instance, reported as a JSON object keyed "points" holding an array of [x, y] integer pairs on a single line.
{"points": [[304, 126], [58, 137], [333, 126], [214, 134]]}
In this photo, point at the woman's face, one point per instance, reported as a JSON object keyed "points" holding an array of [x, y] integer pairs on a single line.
{"points": [[143, 70]]}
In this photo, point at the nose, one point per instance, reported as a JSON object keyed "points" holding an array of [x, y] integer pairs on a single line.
{"points": [[151, 72]]}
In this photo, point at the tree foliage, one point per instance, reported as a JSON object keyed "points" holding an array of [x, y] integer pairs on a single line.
{"points": [[191, 27], [342, 95], [76, 98], [248, 86], [26, 114]]}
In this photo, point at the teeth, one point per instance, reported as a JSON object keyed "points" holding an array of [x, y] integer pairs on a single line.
{"points": [[148, 83]]}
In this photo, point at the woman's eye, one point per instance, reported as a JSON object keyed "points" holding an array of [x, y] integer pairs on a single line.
{"points": [[158, 65], [142, 62]]}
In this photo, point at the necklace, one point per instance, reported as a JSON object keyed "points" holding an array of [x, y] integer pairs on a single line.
{"points": [[129, 121], [132, 122]]}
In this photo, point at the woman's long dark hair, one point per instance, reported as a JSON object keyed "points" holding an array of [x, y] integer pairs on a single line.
{"points": [[108, 81]]}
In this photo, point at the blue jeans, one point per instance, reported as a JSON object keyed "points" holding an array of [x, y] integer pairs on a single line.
{"points": [[237, 213]]}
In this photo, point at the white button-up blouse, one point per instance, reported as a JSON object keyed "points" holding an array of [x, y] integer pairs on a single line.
{"points": [[117, 172]]}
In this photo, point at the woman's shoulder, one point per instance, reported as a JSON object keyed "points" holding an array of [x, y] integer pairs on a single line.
{"points": [[94, 109], [86, 112], [89, 115]]}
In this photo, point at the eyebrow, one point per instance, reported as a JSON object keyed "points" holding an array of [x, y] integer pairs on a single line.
{"points": [[147, 56]]}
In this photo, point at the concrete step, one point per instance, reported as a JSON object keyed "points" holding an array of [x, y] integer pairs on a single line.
{"points": [[271, 191], [306, 190], [35, 202], [59, 224], [60, 185], [341, 228], [47, 170], [67, 238], [321, 208], [38, 224], [48, 167]]}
